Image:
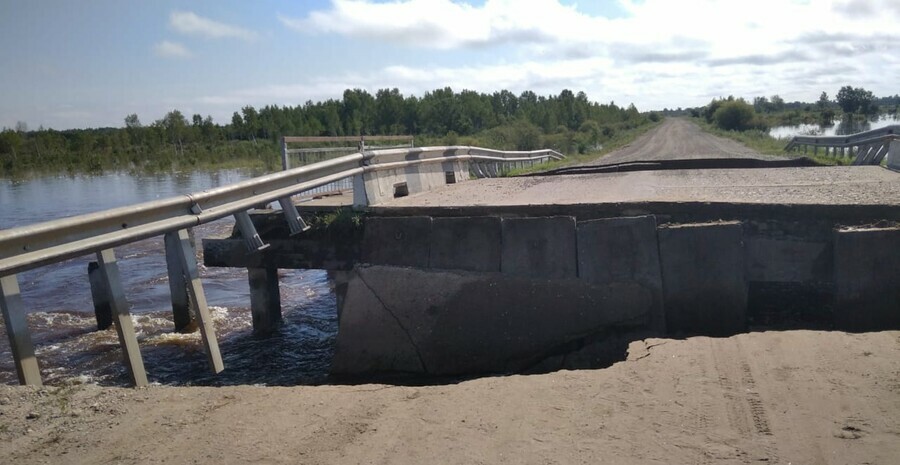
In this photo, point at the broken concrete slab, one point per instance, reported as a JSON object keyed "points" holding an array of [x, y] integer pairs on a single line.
{"points": [[400, 241], [623, 250], [466, 243], [867, 278], [704, 287], [542, 247], [397, 319]]}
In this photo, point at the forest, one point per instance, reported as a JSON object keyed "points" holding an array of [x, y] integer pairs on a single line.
{"points": [[567, 122]]}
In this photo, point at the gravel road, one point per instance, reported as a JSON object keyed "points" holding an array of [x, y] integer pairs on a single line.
{"points": [[679, 139]]}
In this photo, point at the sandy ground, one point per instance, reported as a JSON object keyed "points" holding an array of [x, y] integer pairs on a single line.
{"points": [[800, 397], [678, 138]]}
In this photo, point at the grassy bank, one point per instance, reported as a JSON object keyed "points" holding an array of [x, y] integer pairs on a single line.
{"points": [[762, 142]]}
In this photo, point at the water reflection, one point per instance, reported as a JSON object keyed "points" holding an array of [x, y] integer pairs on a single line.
{"points": [[843, 127]]}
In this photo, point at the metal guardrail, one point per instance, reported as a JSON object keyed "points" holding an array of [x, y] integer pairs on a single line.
{"points": [[32, 246], [868, 148]]}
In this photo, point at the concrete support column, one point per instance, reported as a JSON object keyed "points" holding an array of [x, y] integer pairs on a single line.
{"points": [[100, 296], [17, 331], [265, 299], [181, 313]]}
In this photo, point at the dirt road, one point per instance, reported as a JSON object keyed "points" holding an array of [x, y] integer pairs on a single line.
{"points": [[678, 138], [770, 397]]}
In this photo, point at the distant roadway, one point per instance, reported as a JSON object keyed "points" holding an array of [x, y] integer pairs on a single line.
{"points": [[678, 139]]}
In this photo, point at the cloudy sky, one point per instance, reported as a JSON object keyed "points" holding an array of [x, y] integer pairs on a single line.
{"points": [[72, 64]]}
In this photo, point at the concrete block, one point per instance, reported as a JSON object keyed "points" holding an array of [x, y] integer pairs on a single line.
{"points": [[400, 241], [466, 243], [790, 261], [867, 279], [449, 323], [370, 337], [704, 289], [539, 247], [623, 250]]}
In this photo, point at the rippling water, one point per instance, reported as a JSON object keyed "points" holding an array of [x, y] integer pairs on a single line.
{"points": [[60, 309]]}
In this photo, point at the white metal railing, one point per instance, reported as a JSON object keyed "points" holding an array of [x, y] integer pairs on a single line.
{"points": [[293, 157], [866, 148], [31, 246]]}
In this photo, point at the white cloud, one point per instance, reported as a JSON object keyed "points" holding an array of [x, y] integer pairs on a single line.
{"points": [[660, 53], [187, 22], [168, 49], [444, 24]]}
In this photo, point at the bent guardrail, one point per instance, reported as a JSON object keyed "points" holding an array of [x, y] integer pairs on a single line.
{"points": [[32, 246], [866, 148]]}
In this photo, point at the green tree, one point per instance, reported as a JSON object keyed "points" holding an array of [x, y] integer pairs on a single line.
{"points": [[777, 103], [734, 115], [853, 100], [823, 101]]}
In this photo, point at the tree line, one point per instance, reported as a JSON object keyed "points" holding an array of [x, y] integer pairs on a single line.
{"points": [[736, 114], [568, 122]]}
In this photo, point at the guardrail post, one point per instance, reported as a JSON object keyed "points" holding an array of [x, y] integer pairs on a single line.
{"points": [[893, 155], [17, 331], [292, 216], [360, 199], [181, 310], [109, 270], [285, 163], [248, 231], [198, 301]]}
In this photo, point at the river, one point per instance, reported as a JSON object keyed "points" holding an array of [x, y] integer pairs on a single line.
{"points": [[840, 128], [60, 309]]}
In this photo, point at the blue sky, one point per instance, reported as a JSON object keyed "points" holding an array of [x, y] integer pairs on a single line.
{"points": [[85, 64]]}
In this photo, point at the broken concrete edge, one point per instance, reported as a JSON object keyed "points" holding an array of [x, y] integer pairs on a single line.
{"points": [[666, 212], [867, 278], [458, 323]]}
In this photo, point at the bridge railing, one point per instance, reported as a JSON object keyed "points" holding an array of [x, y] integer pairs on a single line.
{"points": [[31, 246], [866, 148]]}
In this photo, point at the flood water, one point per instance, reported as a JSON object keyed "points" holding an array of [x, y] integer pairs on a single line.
{"points": [[60, 309], [839, 128]]}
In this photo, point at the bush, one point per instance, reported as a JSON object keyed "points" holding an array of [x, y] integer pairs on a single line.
{"points": [[734, 115], [653, 116]]}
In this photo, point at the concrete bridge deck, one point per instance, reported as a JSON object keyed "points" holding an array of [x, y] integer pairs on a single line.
{"points": [[674, 139], [831, 185]]}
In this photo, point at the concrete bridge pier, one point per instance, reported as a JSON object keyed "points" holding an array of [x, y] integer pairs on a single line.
{"points": [[265, 299]]}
